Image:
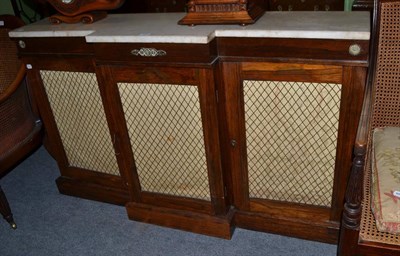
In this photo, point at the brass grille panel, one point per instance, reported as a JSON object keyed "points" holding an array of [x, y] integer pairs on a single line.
{"points": [[79, 114], [291, 134], [166, 134]]}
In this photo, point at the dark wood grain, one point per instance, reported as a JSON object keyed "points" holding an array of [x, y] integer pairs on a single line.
{"points": [[174, 53], [241, 12], [324, 232], [190, 221], [354, 79], [293, 50], [55, 45], [218, 70]]}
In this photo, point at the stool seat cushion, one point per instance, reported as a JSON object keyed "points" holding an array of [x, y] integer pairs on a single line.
{"points": [[386, 179]]}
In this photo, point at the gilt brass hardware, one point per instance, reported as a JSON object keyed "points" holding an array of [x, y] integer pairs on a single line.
{"points": [[233, 143], [148, 52], [21, 44], [355, 49]]}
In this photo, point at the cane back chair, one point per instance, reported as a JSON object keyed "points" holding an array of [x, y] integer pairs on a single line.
{"points": [[359, 235], [20, 129]]}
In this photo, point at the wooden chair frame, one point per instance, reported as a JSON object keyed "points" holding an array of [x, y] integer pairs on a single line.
{"points": [[357, 210], [31, 137]]}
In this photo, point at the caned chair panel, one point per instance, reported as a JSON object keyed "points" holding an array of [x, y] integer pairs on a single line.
{"points": [[386, 108]]}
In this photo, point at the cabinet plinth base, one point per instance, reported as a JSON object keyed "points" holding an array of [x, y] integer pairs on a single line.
{"points": [[218, 226], [326, 232], [92, 191]]}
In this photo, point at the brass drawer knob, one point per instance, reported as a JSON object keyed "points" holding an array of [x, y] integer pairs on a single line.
{"points": [[354, 49], [21, 44], [148, 52]]}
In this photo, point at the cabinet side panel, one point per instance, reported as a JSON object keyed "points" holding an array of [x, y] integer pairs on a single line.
{"points": [[166, 133], [291, 134], [79, 114]]}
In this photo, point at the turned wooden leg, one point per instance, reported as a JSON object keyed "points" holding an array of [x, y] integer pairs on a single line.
{"points": [[5, 209]]}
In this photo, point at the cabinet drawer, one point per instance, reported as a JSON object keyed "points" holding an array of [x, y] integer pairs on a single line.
{"points": [[156, 52], [284, 48], [54, 45]]}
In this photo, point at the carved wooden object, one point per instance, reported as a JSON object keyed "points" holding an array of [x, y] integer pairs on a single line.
{"points": [[85, 11], [223, 12]]}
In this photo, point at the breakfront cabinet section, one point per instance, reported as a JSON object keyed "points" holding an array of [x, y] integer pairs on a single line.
{"points": [[208, 128], [78, 135], [290, 128], [165, 123]]}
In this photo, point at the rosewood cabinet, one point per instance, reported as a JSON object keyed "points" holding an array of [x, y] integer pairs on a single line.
{"points": [[288, 132], [204, 128]]}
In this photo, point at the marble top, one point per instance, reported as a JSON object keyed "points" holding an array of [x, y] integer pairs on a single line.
{"points": [[163, 28]]}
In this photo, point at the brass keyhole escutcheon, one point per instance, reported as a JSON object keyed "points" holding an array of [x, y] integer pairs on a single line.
{"points": [[233, 143]]}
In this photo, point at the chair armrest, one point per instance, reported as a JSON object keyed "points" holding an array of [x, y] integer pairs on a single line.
{"points": [[354, 190], [364, 125]]}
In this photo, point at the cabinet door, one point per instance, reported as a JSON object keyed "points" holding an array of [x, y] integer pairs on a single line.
{"points": [[290, 134], [71, 106], [166, 120]]}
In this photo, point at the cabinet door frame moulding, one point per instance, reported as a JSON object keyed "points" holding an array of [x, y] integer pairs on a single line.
{"points": [[270, 215], [208, 217], [73, 181]]}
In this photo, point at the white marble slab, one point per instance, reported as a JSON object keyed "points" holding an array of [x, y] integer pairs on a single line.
{"points": [[163, 28], [44, 28], [317, 25], [150, 28]]}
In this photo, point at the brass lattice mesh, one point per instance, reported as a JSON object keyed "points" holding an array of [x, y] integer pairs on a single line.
{"points": [[166, 133], [386, 109], [78, 111], [291, 133]]}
